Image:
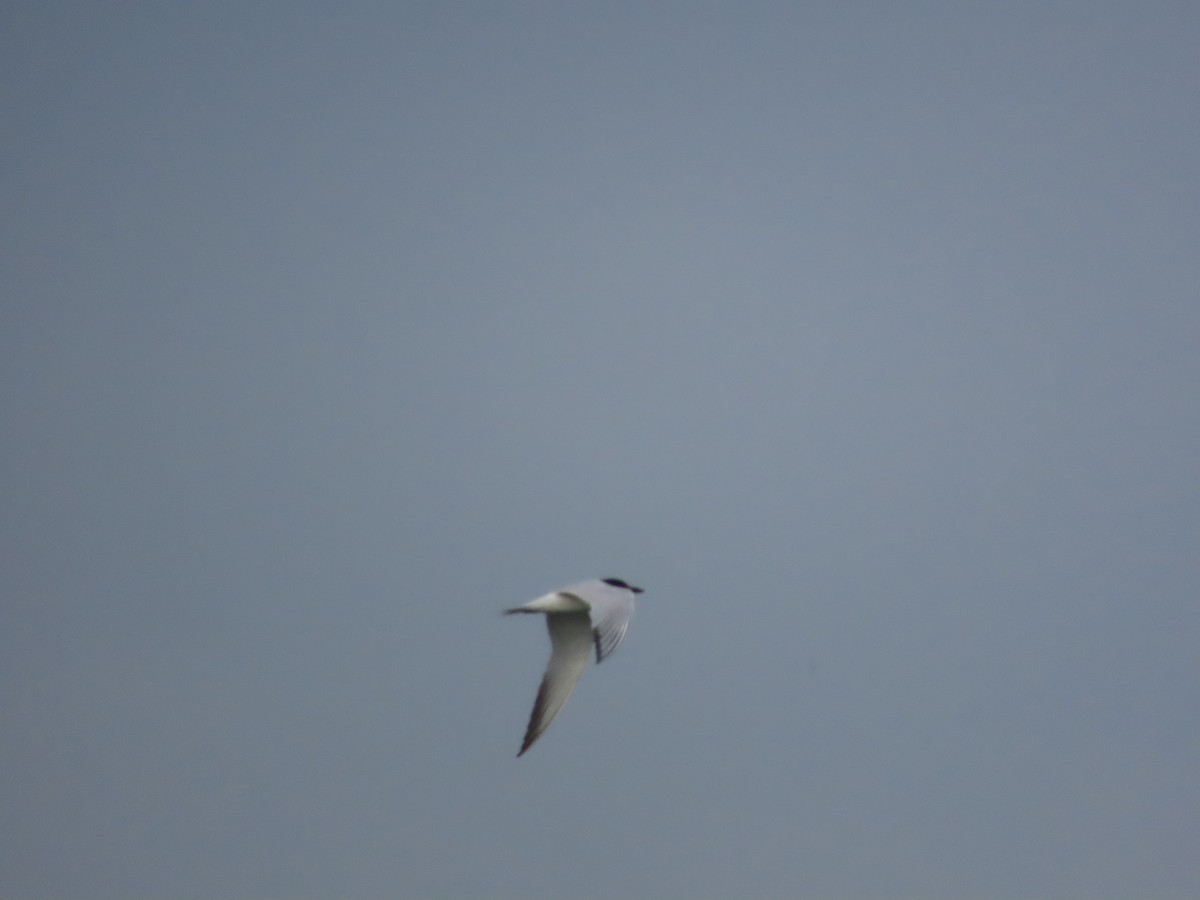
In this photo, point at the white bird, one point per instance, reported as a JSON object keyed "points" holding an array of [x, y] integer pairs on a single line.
{"points": [[579, 616]]}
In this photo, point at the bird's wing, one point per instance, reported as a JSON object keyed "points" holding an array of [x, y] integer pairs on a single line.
{"points": [[611, 609], [571, 641]]}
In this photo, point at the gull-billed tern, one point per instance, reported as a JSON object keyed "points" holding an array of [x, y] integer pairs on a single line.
{"points": [[580, 616]]}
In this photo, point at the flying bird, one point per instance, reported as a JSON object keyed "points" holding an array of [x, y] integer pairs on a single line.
{"points": [[580, 616]]}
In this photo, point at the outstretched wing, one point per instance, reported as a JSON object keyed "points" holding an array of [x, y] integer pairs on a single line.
{"points": [[570, 641], [611, 609]]}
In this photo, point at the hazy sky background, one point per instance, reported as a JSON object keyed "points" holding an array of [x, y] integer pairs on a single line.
{"points": [[864, 336]]}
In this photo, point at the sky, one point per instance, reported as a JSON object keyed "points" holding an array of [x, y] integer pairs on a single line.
{"points": [[863, 336]]}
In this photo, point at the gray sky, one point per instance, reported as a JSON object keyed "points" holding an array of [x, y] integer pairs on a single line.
{"points": [[864, 336]]}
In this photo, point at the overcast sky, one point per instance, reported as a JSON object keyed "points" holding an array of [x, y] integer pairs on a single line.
{"points": [[864, 336]]}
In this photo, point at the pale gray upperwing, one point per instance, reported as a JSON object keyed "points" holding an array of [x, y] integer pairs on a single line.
{"points": [[571, 643], [611, 609]]}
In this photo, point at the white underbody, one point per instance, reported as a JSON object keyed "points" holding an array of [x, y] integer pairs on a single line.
{"points": [[557, 602]]}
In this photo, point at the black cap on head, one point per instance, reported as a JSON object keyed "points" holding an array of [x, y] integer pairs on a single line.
{"points": [[617, 582]]}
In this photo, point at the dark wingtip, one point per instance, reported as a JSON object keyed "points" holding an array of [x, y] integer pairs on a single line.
{"points": [[525, 745]]}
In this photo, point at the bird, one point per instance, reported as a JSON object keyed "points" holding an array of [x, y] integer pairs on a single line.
{"points": [[579, 617]]}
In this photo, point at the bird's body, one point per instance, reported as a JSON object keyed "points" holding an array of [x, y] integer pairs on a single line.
{"points": [[579, 617]]}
